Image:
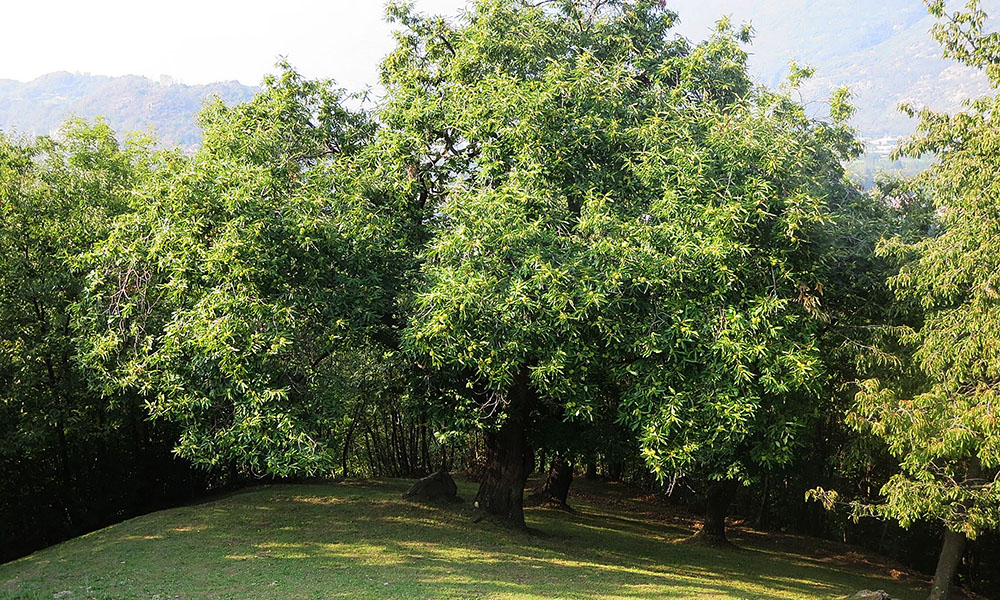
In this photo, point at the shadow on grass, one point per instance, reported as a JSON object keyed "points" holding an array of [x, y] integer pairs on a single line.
{"points": [[364, 540]]}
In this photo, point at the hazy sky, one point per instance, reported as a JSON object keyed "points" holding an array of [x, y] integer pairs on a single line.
{"points": [[198, 41]]}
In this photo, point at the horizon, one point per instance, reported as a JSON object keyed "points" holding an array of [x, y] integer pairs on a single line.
{"points": [[883, 53], [197, 43], [341, 40]]}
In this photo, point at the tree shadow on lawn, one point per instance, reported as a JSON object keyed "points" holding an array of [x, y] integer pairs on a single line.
{"points": [[354, 541], [588, 555]]}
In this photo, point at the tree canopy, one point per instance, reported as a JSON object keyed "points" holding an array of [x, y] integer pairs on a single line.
{"points": [[237, 275], [939, 417], [618, 213]]}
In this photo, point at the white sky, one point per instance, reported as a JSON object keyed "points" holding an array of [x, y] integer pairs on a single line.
{"points": [[199, 41]]}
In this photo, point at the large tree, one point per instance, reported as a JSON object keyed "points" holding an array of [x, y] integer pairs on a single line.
{"points": [[246, 283], [941, 419], [70, 459], [517, 120], [724, 373], [616, 211]]}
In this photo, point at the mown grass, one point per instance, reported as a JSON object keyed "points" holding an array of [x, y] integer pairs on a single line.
{"points": [[362, 540]]}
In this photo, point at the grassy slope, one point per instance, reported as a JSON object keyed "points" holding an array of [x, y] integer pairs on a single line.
{"points": [[363, 541]]}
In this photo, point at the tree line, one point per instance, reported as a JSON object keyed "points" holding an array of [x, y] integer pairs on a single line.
{"points": [[564, 236]]}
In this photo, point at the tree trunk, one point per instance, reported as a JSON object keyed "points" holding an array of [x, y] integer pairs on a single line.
{"points": [[425, 453], [951, 555], [591, 472], [384, 466], [445, 463], [67, 478], [399, 441], [762, 510], [347, 440], [615, 469], [415, 450], [713, 532], [557, 482], [509, 460]]}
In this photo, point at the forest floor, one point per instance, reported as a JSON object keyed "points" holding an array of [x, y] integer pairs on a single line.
{"points": [[362, 540]]}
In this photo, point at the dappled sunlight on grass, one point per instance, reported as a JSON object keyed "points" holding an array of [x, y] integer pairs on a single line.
{"points": [[189, 529], [322, 500], [364, 541]]}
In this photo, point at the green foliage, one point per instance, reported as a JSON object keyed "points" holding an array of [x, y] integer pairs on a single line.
{"points": [[962, 35], [57, 196], [940, 418], [70, 460], [733, 372], [860, 340], [620, 213], [240, 276], [525, 127]]}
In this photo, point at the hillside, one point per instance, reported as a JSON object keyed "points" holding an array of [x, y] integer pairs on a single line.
{"points": [[129, 103], [882, 51], [359, 540]]}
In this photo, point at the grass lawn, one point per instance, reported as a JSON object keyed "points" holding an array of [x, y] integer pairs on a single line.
{"points": [[361, 540]]}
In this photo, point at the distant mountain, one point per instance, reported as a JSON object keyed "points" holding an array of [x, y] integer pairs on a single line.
{"points": [[129, 103], [881, 50]]}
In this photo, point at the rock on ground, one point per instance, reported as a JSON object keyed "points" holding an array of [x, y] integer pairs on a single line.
{"points": [[438, 487], [870, 595]]}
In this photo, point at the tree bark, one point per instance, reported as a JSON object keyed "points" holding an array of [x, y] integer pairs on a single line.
{"points": [[371, 457], [425, 454], [384, 466], [557, 482], [445, 463], [951, 555], [509, 460], [591, 472], [762, 512], [64, 468], [615, 469], [399, 441], [713, 531]]}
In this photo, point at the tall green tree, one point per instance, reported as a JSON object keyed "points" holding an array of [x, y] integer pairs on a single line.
{"points": [[58, 194], [724, 374], [236, 290], [64, 450], [941, 420], [616, 211]]}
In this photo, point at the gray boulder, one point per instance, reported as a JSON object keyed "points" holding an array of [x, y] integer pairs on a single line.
{"points": [[870, 595], [438, 487]]}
